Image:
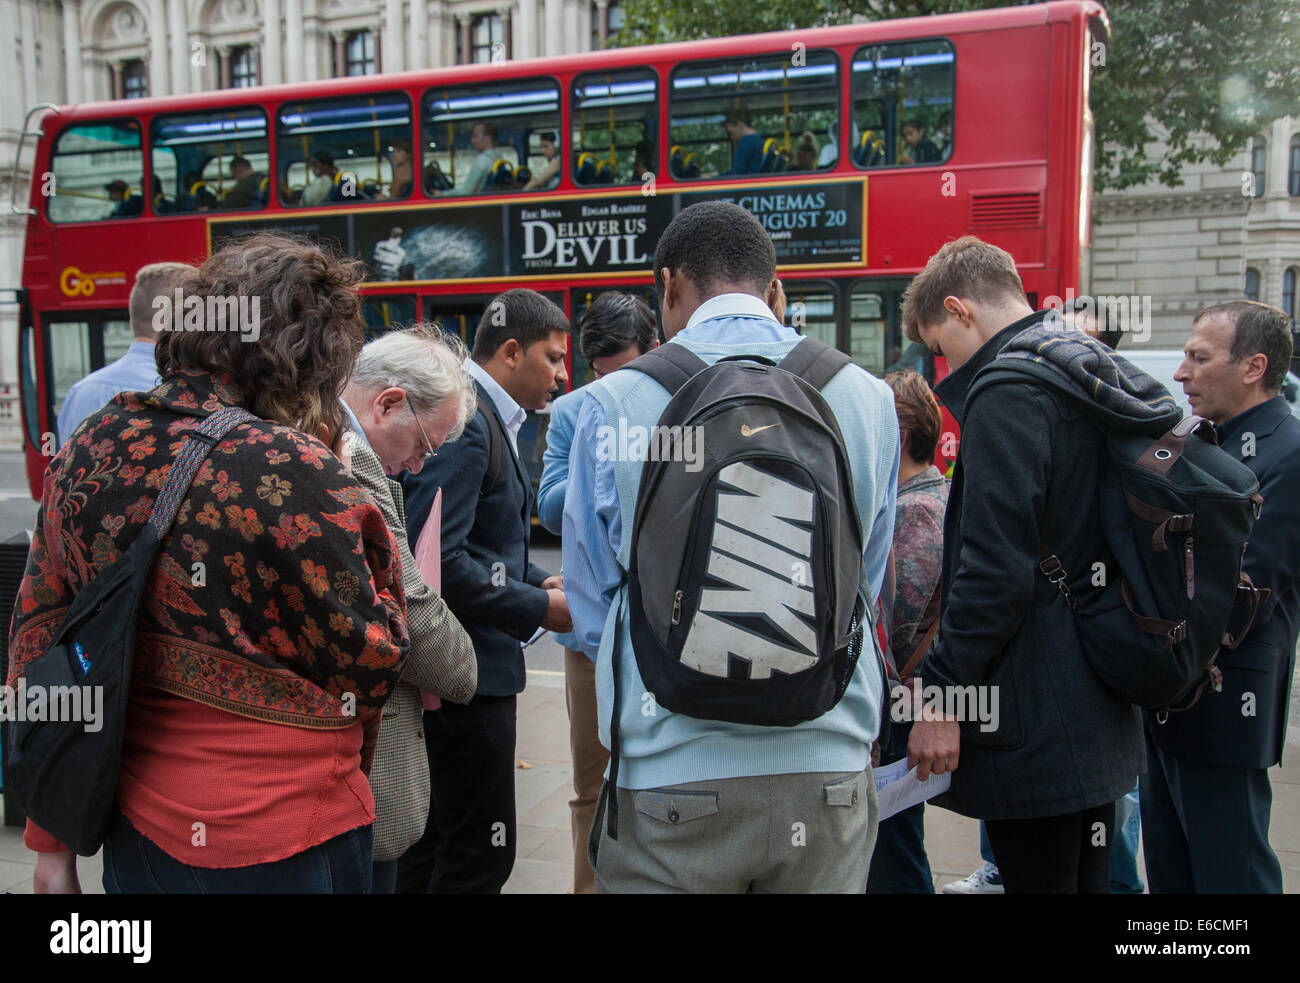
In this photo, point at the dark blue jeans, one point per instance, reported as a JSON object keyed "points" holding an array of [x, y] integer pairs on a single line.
{"points": [[134, 865], [899, 864]]}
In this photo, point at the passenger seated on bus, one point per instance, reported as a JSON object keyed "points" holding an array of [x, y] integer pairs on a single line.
{"points": [[483, 139], [644, 160], [162, 205], [125, 204], [321, 164], [548, 178], [919, 149], [748, 156], [247, 191], [805, 153], [943, 134], [403, 172], [202, 197]]}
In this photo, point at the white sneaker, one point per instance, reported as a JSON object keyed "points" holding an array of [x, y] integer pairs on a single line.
{"points": [[986, 880]]}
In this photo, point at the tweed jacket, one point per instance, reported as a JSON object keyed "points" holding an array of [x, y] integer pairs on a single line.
{"points": [[277, 594], [440, 660]]}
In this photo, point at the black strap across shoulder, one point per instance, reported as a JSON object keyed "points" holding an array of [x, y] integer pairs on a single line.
{"points": [[198, 445], [669, 365], [815, 362]]}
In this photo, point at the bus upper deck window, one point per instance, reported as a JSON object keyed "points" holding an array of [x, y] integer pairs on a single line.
{"points": [[758, 115], [903, 104], [346, 150], [500, 136], [98, 173], [212, 161], [614, 117]]}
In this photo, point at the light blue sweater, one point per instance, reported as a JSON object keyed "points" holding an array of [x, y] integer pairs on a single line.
{"points": [[662, 748]]}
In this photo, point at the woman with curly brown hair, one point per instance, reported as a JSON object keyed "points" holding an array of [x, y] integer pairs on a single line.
{"points": [[273, 627]]}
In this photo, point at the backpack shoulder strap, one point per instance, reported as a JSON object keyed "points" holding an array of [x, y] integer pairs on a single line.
{"points": [[197, 446], [815, 362], [496, 445], [669, 365]]}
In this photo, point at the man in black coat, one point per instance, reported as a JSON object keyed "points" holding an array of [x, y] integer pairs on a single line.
{"points": [[1206, 800], [1045, 772], [493, 589]]}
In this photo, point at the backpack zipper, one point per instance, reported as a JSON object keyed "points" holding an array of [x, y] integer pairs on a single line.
{"points": [[677, 607], [1189, 567]]}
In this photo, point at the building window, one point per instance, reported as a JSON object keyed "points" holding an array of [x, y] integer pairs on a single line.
{"points": [[1288, 292], [135, 79], [1259, 164], [359, 53], [1293, 168], [243, 67], [486, 31], [1252, 283]]}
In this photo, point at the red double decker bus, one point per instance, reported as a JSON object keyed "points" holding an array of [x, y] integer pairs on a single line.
{"points": [[860, 148]]}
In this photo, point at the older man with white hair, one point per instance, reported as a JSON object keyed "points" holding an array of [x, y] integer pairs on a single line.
{"points": [[408, 395]]}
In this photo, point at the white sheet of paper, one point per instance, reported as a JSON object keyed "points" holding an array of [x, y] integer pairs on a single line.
{"points": [[897, 787]]}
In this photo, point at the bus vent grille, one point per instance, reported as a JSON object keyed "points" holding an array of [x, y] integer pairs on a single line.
{"points": [[1005, 210]]}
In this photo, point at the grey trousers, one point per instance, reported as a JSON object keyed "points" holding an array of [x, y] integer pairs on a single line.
{"points": [[770, 834]]}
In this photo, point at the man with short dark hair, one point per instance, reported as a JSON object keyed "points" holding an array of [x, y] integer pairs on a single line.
{"points": [[483, 140], [247, 191], [705, 805], [1206, 799], [617, 328], [1064, 747], [493, 589]]}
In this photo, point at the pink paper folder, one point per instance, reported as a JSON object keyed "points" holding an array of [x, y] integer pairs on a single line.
{"points": [[428, 559]]}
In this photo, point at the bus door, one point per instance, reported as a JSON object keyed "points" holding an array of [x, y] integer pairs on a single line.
{"points": [[77, 344]]}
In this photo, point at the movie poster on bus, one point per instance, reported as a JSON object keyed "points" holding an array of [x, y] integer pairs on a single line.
{"points": [[586, 235], [817, 223], [458, 243]]}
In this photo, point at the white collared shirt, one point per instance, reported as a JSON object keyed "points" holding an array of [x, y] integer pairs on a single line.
{"points": [[512, 414], [731, 305]]}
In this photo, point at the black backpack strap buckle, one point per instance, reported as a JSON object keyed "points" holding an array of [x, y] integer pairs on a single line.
{"points": [[1054, 571]]}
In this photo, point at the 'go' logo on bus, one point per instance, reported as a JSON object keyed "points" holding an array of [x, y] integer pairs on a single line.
{"points": [[73, 282]]}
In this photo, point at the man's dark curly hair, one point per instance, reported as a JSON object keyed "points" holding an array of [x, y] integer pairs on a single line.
{"points": [[715, 243]]}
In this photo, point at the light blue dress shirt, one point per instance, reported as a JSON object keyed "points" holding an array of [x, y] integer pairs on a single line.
{"points": [[555, 478], [666, 748], [135, 371]]}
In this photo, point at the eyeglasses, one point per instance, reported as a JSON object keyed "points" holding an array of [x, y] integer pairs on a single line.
{"points": [[428, 444]]}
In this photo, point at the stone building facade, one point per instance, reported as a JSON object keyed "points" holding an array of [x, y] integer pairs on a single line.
{"points": [[1228, 232]]}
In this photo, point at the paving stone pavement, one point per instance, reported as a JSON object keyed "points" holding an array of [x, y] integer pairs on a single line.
{"points": [[543, 791]]}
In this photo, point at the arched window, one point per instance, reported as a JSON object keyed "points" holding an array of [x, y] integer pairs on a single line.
{"points": [[1252, 283], [1288, 292], [1293, 168], [1259, 164]]}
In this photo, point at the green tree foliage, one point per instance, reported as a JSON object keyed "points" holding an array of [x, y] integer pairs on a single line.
{"points": [[1173, 72]]}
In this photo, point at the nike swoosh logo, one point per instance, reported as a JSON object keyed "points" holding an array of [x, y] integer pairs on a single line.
{"points": [[747, 431]]}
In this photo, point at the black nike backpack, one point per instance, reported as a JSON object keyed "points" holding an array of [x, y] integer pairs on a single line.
{"points": [[1176, 513]]}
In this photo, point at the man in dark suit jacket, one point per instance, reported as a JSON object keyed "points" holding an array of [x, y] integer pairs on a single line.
{"points": [[1206, 800], [493, 589]]}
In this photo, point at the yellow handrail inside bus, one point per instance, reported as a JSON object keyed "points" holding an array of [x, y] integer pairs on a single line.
{"points": [[304, 149], [902, 82], [379, 176], [609, 86], [785, 106], [451, 156]]}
